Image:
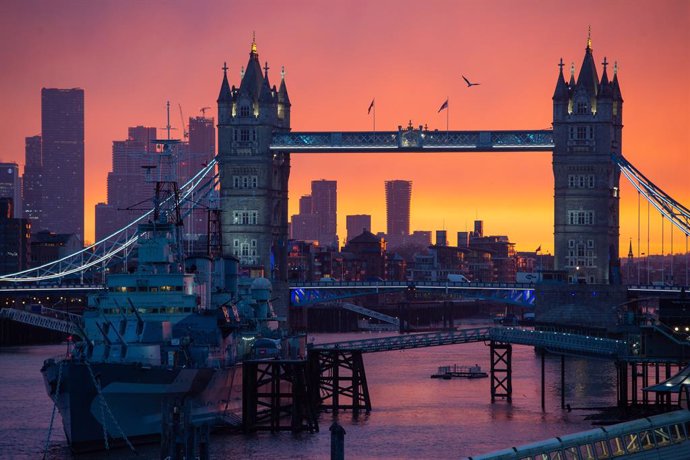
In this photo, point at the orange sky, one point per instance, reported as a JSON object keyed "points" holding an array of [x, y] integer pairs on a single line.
{"points": [[131, 56]]}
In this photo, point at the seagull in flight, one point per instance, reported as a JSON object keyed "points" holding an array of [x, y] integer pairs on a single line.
{"points": [[468, 82]]}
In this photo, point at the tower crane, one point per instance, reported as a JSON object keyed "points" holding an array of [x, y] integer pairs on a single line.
{"points": [[203, 111], [184, 131]]}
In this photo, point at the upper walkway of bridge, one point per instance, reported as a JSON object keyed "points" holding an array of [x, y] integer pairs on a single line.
{"points": [[413, 140]]}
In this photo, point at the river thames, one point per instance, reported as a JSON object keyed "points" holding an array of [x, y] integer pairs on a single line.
{"points": [[413, 416]]}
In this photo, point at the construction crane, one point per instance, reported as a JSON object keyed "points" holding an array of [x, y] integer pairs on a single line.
{"points": [[203, 111], [184, 131]]}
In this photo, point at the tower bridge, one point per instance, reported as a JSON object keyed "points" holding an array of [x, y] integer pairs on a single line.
{"points": [[255, 144]]}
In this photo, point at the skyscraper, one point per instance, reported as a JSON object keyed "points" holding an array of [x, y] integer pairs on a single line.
{"points": [[356, 224], [10, 187], [398, 195], [129, 193], [62, 129], [305, 225], [199, 152], [32, 181], [324, 203]]}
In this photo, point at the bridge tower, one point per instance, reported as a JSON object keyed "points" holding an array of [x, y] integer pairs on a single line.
{"points": [[253, 180], [587, 128]]}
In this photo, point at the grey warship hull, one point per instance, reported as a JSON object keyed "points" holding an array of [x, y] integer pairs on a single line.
{"points": [[131, 397]]}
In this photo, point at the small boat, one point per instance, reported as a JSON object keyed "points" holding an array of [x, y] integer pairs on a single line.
{"points": [[468, 372]]}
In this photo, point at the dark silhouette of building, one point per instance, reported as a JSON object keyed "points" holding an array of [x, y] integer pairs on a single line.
{"points": [[356, 224], [62, 131], [198, 152], [32, 181], [10, 187], [305, 225], [324, 203], [254, 224], [367, 260], [441, 238], [398, 195], [48, 246], [15, 237], [587, 130], [129, 191]]}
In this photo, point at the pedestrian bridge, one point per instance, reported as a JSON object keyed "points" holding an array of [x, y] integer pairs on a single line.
{"points": [[309, 293], [560, 342]]}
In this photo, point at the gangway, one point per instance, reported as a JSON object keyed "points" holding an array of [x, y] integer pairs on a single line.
{"points": [[67, 323], [555, 341], [370, 313]]}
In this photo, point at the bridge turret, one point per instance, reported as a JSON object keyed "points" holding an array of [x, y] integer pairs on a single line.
{"points": [[283, 100], [254, 180], [605, 96], [586, 180], [561, 96], [224, 99], [617, 97]]}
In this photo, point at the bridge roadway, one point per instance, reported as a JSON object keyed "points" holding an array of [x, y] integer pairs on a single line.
{"points": [[554, 341]]}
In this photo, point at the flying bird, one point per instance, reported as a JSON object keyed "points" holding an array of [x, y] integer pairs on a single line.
{"points": [[468, 82]]}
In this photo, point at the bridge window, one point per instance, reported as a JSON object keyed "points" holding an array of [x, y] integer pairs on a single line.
{"points": [[244, 135], [590, 243], [581, 108], [571, 243], [581, 181], [245, 217], [244, 111], [580, 217], [245, 181]]}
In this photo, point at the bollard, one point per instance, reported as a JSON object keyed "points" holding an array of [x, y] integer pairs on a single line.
{"points": [[337, 442]]}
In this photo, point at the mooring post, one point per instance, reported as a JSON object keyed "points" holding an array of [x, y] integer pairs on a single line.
{"points": [[543, 405], [337, 442]]}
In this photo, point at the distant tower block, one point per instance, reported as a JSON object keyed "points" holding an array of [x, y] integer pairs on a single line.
{"points": [[398, 197], [253, 180], [587, 128]]}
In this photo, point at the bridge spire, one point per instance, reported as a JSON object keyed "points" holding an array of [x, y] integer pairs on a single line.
{"points": [[561, 93], [589, 38]]}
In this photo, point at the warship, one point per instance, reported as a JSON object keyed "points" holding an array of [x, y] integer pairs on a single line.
{"points": [[169, 330]]}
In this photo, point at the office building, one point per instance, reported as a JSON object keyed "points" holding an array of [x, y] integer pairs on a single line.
{"points": [[32, 181], [15, 237], [129, 190], [10, 187], [356, 224], [398, 195], [62, 131], [324, 204]]}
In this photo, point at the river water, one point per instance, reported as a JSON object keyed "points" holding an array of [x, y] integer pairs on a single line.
{"points": [[413, 416]]}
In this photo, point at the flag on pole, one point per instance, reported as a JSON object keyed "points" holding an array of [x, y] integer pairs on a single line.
{"points": [[443, 106], [538, 249], [371, 106]]}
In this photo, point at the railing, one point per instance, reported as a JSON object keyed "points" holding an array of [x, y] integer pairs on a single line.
{"points": [[46, 322], [659, 436]]}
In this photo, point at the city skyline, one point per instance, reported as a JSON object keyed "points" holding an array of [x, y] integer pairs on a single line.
{"points": [[368, 54]]}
